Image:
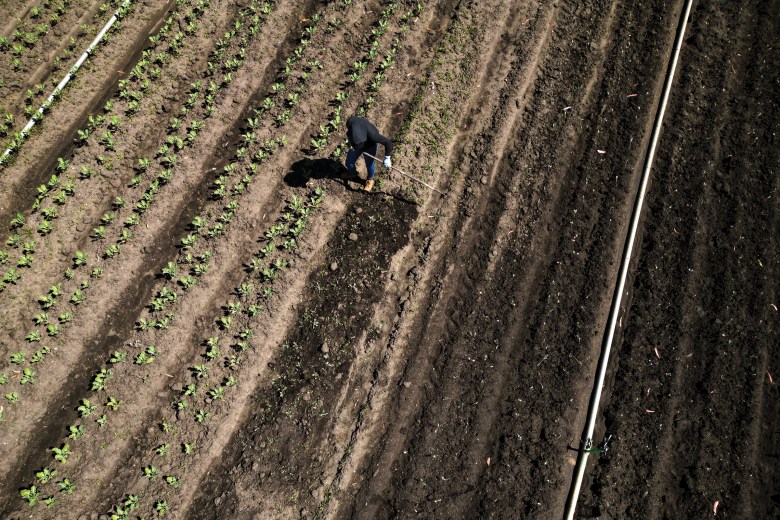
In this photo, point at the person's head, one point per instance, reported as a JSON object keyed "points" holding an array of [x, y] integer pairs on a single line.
{"points": [[351, 137]]}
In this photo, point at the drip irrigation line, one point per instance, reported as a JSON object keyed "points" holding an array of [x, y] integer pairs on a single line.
{"points": [[617, 298], [65, 80]]}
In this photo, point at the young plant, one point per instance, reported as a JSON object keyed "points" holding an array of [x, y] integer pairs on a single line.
{"points": [[85, 409], [62, 454], [31, 495]]}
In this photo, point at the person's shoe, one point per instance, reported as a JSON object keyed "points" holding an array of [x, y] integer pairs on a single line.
{"points": [[369, 185]]}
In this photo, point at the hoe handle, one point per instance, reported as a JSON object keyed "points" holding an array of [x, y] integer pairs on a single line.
{"points": [[407, 175]]}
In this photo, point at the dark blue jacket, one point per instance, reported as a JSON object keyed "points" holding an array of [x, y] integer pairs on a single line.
{"points": [[363, 135]]}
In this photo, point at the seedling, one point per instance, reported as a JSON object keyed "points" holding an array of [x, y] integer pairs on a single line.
{"points": [[202, 416], [102, 420], [85, 409], [118, 357], [76, 431], [113, 403], [31, 495], [66, 486], [62, 454], [12, 397], [187, 449], [45, 475], [151, 472], [100, 380], [28, 376], [161, 507], [162, 450]]}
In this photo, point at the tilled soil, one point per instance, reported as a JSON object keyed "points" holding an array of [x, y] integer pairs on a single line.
{"points": [[408, 355]]}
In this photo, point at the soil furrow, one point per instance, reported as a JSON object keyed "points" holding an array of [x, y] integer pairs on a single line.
{"points": [[686, 343]]}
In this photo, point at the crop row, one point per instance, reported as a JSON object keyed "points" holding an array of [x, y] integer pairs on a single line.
{"points": [[33, 97], [224, 371], [40, 21], [74, 290], [14, 143], [226, 321], [63, 184], [107, 399]]}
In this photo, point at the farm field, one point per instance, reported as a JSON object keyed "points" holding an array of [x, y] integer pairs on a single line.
{"points": [[199, 318]]}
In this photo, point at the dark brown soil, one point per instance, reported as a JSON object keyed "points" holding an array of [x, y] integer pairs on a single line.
{"points": [[411, 355]]}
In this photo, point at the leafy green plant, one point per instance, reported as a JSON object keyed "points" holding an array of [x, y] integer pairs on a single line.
{"points": [[118, 357], [31, 495], [161, 507], [76, 431], [202, 416], [62, 454], [173, 481], [170, 270], [151, 472], [28, 376], [201, 371], [66, 486], [85, 409], [113, 403], [187, 449], [45, 475], [101, 379], [33, 336], [78, 297], [38, 356], [162, 450], [80, 259], [12, 397]]}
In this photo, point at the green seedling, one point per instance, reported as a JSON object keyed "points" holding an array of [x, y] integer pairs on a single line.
{"points": [[118, 357], [85, 409], [101, 421], [12, 397], [76, 431], [66, 486], [187, 449], [173, 481], [162, 450], [202, 416], [45, 475], [28, 376], [113, 403], [101, 379], [33, 336], [151, 472], [31, 495], [62, 454]]}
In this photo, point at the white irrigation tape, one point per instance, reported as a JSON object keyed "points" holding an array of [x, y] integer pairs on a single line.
{"points": [[61, 85], [614, 311]]}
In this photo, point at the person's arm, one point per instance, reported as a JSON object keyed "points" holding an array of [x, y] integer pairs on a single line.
{"points": [[387, 143], [384, 141]]}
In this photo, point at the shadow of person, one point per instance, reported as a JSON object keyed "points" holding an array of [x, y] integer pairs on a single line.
{"points": [[302, 171], [306, 169]]}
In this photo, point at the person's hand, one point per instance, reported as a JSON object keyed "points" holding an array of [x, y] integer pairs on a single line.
{"points": [[388, 163]]}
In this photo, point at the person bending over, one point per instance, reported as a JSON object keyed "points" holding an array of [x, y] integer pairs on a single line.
{"points": [[364, 137]]}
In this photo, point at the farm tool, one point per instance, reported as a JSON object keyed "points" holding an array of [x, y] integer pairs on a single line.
{"points": [[406, 174]]}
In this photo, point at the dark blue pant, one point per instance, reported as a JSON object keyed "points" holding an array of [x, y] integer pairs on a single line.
{"points": [[353, 156]]}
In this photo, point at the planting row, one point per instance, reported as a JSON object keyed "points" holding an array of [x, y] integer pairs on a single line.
{"points": [[130, 213], [34, 106]]}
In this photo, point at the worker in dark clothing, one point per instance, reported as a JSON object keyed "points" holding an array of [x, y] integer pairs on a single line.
{"points": [[364, 137]]}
